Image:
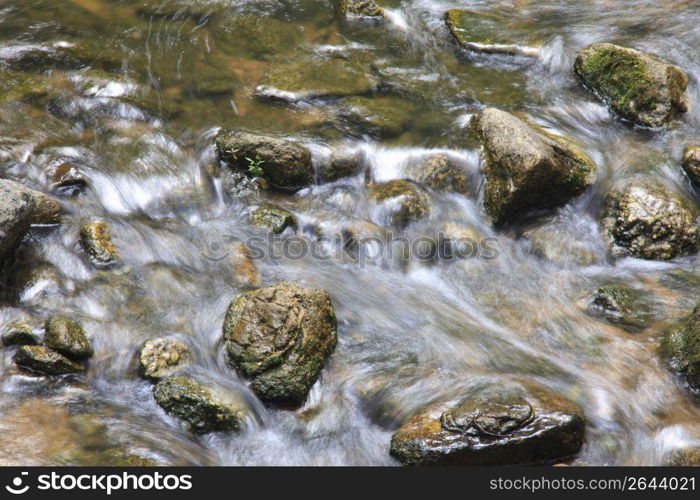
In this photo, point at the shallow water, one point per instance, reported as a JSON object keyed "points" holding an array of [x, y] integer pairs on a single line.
{"points": [[136, 105]]}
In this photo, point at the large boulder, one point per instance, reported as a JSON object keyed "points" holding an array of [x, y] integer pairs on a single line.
{"points": [[638, 86], [681, 345], [281, 336], [691, 164], [489, 33], [66, 336], [46, 361], [527, 168], [402, 202], [163, 357], [647, 221], [495, 426], [17, 207], [203, 408], [286, 165]]}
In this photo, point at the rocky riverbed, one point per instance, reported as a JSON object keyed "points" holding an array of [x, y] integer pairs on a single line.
{"points": [[339, 232]]}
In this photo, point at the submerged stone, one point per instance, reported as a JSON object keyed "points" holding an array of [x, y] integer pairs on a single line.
{"points": [[286, 165], [495, 426], [525, 168], [273, 218], [163, 357], [203, 408], [44, 360], [647, 221], [96, 239], [638, 86], [681, 345], [622, 305], [312, 75], [66, 336], [281, 336], [489, 33], [691, 164], [385, 116], [259, 37], [440, 173], [403, 201], [342, 164]]}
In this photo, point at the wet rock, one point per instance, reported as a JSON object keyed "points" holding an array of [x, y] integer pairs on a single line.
{"points": [[362, 8], [488, 33], [564, 247], [638, 86], [281, 336], [440, 173], [498, 426], [96, 239], [47, 210], [685, 457], [312, 75], [246, 272], [527, 168], [67, 336], [384, 116], [163, 357], [273, 218], [286, 165], [647, 221], [259, 37], [20, 332], [681, 345], [16, 215], [44, 360], [65, 176], [342, 164], [203, 408], [622, 305], [403, 200], [691, 164]]}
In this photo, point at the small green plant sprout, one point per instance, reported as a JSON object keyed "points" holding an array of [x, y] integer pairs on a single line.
{"points": [[255, 166]]}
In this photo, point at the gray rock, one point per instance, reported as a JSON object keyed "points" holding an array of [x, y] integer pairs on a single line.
{"points": [[281, 336], [17, 208], [404, 201], [527, 168], [163, 357], [203, 408], [440, 173]]}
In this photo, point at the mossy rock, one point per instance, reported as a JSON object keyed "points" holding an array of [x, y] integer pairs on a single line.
{"points": [[274, 219], [440, 173], [360, 8], [46, 361], [203, 408], [311, 75], [163, 357], [20, 331], [96, 239], [526, 168], [647, 221], [691, 164], [638, 86], [681, 346], [403, 201], [494, 426], [628, 307], [489, 33], [285, 165], [66, 335], [281, 336], [259, 37], [384, 116]]}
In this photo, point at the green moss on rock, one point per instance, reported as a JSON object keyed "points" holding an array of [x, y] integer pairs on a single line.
{"points": [[96, 239], [363, 8], [43, 360], [65, 335], [691, 164], [274, 219], [681, 345], [638, 86]]}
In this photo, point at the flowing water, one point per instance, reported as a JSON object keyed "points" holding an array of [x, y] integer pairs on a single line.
{"points": [[132, 93]]}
